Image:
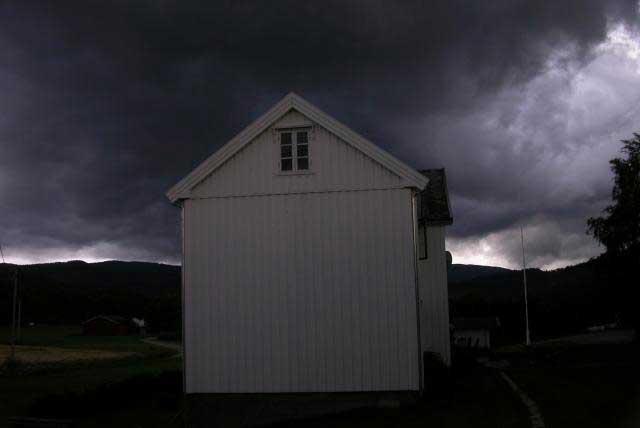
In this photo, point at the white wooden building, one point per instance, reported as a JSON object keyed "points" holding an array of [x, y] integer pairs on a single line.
{"points": [[312, 261], [474, 333]]}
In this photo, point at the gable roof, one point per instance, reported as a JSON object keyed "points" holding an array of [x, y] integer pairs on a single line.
{"points": [[434, 207], [293, 102]]}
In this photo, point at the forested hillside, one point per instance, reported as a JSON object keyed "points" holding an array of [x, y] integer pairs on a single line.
{"points": [[561, 301], [68, 293]]}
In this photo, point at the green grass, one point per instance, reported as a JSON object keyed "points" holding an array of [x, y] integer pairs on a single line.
{"points": [[71, 337], [574, 386], [41, 334], [17, 393], [584, 386], [584, 397]]}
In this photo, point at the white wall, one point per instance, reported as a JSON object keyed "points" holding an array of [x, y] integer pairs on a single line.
{"points": [[302, 292], [434, 296]]}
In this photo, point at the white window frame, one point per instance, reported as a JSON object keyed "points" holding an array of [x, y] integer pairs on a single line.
{"points": [[294, 150]]}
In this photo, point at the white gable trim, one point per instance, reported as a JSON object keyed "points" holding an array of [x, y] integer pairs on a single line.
{"points": [[183, 188]]}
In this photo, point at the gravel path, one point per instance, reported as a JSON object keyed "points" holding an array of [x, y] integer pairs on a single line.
{"points": [[537, 421]]}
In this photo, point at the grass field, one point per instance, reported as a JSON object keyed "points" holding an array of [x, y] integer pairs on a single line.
{"points": [[584, 397], [70, 337], [584, 386], [574, 386], [52, 354], [18, 393]]}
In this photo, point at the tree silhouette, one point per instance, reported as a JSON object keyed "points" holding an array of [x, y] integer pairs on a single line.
{"points": [[618, 229]]}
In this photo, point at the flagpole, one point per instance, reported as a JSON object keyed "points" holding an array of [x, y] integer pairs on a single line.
{"points": [[526, 300], [12, 354]]}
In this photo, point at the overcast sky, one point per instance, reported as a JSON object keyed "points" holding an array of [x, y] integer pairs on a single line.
{"points": [[104, 105]]}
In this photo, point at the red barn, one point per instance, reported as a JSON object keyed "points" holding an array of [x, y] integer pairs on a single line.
{"points": [[106, 325]]}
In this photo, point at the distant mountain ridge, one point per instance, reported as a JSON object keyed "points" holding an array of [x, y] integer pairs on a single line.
{"points": [[561, 301], [461, 272], [151, 278], [70, 292], [146, 277]]}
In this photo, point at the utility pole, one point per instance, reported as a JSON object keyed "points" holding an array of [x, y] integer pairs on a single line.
{"points": [[19, 326], [526, 301], [14, 315]]}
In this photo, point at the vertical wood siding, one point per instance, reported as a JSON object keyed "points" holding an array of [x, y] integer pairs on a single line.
{"points": [[303, 292], [335, 165], [434, 296]]}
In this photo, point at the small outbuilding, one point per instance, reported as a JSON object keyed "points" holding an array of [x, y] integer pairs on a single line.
{"points": [[106, 325], [474, 332]]}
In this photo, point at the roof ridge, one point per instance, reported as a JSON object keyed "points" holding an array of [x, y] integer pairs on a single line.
{"points": [[293, 101]]}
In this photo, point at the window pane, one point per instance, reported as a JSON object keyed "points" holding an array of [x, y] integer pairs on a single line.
{"points": [[286, 164], [285, 151], [302, 137], [303, 151], [285, 138], [303, 163]]}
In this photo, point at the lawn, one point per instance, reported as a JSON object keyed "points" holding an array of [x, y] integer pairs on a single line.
{"points": [[473, 397], [71, 337], [18, 393], [584, 386], [51, 354], [574, 386]]}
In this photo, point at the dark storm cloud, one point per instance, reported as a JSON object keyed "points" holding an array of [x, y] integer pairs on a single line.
{"points": [[106, 104]]}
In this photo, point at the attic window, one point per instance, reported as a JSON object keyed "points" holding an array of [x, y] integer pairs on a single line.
{"points": [[294, 150]]}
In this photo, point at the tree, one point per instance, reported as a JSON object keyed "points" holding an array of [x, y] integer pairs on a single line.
{"points": [[618, 229]]}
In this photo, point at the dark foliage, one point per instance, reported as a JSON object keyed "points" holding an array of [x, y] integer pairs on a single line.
{"points": [[458, 273], [618, 229], [561, 301], [567, 300], [437, 377]]}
